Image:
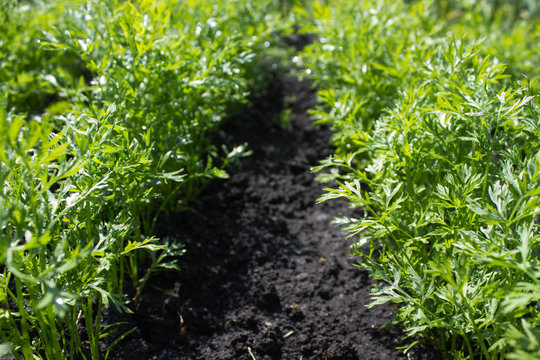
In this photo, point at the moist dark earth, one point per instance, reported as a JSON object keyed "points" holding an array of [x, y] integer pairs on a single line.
{"points": [[265, 274]]}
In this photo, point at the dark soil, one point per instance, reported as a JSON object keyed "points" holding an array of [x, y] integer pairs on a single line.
{"points": [[265, 274]]}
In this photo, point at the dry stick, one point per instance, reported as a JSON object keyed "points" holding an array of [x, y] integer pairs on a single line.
{"points": [[288, 334], [251, 354]]}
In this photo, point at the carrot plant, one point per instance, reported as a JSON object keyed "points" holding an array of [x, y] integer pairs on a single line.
{"points": [[510, 31], [173, 71], [86, 172], [35, 80], [359, 62], [438, 151], [61, 250]]}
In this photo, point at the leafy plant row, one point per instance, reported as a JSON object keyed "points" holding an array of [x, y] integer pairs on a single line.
{"points": [[437, 149], [104, 125]]}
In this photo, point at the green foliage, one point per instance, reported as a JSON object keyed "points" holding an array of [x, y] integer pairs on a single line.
{"points": [[61, 242], [167, 101], [438, 150], [35, 79], [89, 165], [360, 61], [511, 32], [487, 10]]}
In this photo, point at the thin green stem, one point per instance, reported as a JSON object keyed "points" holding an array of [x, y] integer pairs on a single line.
{"points": [[489, 155], [97, 328], [24, 317], [89, 321], [477, 332]]}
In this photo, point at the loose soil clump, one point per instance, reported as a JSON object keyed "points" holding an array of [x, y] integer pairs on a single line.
{"points": [[265, 275]]}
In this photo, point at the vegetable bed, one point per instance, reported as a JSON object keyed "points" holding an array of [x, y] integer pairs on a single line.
{"points": [[266, 276], [162, 168]]}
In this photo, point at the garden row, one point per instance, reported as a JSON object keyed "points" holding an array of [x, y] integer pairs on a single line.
{"points": [[104, 124], [437, 148], [105, 118]]}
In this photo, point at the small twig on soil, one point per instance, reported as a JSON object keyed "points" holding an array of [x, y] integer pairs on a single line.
{"points": [[251, 354], [288, 334]]}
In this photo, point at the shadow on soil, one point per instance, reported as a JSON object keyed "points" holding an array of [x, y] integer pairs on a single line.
{"points": [[265, 275]]}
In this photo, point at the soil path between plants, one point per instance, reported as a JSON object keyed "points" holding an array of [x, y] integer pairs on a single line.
{"points": [[265, 274]]}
